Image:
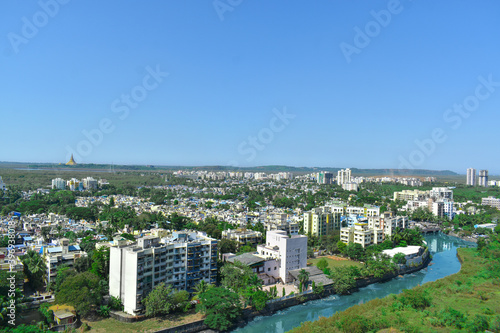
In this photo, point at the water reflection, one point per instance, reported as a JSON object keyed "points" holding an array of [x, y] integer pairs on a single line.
{"points": [[444, 263]]}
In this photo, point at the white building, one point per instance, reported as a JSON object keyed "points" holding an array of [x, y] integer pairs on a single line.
{"points": [[58, 183], [180, 261], [413, 254], [291, 251], [440, 193], [89, 183], [2, 185], [361, 233], [491, 201], [343, 176], [471, 177], [483, 178], [350, 186], [64, 254], [243, 236]]}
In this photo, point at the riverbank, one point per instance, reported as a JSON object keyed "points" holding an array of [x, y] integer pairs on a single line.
{"points": [[469, 299], [465, 238]]}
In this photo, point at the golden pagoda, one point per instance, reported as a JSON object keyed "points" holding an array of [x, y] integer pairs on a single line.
{"points": [[71, 161]]}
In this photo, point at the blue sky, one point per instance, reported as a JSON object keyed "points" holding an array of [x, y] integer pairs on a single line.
{"points": [[252, 83]]}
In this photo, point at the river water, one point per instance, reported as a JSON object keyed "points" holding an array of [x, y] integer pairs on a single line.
{"points": [[445, 262]]}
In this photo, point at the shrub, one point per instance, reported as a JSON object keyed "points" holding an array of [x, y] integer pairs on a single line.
{"points": [[451, 317], [415, 298], [477, 324], [103, 311], [354, 324], [116, 303]]}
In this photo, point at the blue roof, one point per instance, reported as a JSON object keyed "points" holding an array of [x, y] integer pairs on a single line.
{"points": [[54, 249], [74, 248], [27, 238]]}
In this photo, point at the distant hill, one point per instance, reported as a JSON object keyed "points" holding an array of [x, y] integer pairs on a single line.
{"points": [[264, 168]]}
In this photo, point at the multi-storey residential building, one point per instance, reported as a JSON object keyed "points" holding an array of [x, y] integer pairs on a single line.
{"points": [[291, 251], [243, 236], [73, 184], [89, 183], [441, 193], [64, 254], [180, 261], [415, 195], [58, 183], [343, 176], [324, 177], [493, 182], [483, 178], [320, 221], [279, 221], [351, 186], [389, 224], [471, 177], [491, 201], [2, 185], [360, 233]]}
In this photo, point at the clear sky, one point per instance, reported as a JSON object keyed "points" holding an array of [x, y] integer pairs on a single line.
{"points": [[378, 84]]}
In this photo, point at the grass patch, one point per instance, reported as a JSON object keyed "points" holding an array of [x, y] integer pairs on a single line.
{"points": [[148, 325], [336, 263]]}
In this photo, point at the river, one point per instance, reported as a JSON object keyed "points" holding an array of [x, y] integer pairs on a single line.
{"points": [[445, 262]]}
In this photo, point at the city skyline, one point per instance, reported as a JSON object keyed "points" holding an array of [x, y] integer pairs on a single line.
{"points": [[331, 85]]}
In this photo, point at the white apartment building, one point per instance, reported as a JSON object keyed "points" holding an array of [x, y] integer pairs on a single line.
{"points": [[291, 251], [343, 209], [243, 236], [493, 182], [491, 201], [411, 205], [483, 178], [89, 183], [361, 234], [350, 186], [471, 177], [440, 193], [320, 222], [180, 261], [415, 195], [2, 185], [64, 254], [58, 183], [343, 176]]}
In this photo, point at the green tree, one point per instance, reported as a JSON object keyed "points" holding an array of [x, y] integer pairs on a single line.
{"points": [[399, 258], [221, 306], [236, 276], [83, 291], [34, 268], [100, 263], [322, 264], [158, 301], [227, 246], [303, 278]]}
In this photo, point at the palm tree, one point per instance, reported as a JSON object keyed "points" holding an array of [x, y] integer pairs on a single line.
{"points": [[34, 268], [303, 278], [201, 288]]}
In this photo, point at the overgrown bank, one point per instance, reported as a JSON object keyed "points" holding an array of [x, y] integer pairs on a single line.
{"points": [[466, 301]]}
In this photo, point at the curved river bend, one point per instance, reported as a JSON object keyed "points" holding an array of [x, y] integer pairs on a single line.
{"points": [[445, 262]]}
